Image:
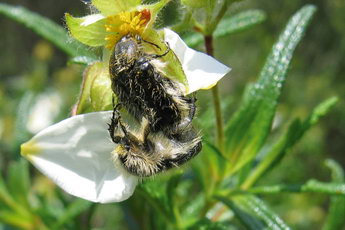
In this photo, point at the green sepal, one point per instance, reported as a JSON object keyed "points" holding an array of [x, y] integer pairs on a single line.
{"points": [[96, 93], [101, 92], [111, 7], [172, 67], [91, 35], [154, 10]]}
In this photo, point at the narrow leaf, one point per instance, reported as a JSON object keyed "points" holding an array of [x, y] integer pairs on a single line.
{"points": [[7, 201], [73, 210], [338, 174], [209, 167], [5, 195], [311, 186], [254, 213], [206, 224], [13, 219], [251, 124], [231, 25], [46, 28], [335, 219], [294, 133], [324, 187], [19, 182]]}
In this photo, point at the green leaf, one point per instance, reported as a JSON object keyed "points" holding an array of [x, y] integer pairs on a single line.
{"points": [[311, 186], [254, 213], [240, 22], [337, 171], [5, 196], [209, 167], [73, 210], [323, 187], [231, 25], [154, 193], [171, 189], [46, 28], [192, 209], [294, 133], [19, 182], [96, 94], [111, 7], [206, 224], [172, 185], [248, 129], [335, 219], [92, 34], [7, 201], [12, 218]]}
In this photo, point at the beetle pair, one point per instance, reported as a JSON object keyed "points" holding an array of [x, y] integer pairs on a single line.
{"points": [[166, 138]]}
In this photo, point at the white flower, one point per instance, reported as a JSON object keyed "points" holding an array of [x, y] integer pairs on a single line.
{"points": [[77, 153], [202, 71]]}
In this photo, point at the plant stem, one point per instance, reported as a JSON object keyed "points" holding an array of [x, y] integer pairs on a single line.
{"points": [[214, 23], [216, 99]]}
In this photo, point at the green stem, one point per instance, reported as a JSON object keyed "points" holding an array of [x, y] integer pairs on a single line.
{"points": [[177, 218], [216, 99], [211, 28]]}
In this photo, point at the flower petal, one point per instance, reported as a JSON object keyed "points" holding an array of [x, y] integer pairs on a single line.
{"points": [[76, 154], [202, 71], [88, 30]]}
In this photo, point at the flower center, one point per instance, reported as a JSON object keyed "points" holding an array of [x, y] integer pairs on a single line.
{"points": [[125, 23]]}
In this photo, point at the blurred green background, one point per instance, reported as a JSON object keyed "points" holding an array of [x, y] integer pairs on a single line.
{"points": [[32, 70]]}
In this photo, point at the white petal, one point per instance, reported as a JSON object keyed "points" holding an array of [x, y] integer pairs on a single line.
{"points": [[91, 19], [202, 71], [76, 154]]}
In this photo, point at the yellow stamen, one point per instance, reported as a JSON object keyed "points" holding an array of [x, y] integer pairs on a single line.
{"points": [[122, 24]]}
